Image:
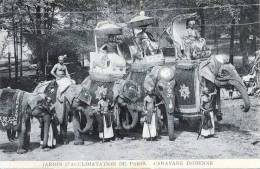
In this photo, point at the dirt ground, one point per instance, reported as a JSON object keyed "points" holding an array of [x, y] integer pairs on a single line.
{"points": [[237, 137]]}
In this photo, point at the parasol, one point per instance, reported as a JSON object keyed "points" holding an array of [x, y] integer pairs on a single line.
{"points": [[141, 21], [107, 28]]}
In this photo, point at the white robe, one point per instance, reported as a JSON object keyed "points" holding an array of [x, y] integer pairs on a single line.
{"points": [[149, 130], [108, 131], [210, 131], [63, 84], [51, 140]]}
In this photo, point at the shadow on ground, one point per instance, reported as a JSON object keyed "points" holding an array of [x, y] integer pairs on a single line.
{"points": [[11, 147]]}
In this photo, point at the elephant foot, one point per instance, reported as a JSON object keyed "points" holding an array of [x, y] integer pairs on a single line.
{"points": [[46, 148], [66, 142], [219, 116], [21, 151], [41, 143], [78, 142], [63, 141]]}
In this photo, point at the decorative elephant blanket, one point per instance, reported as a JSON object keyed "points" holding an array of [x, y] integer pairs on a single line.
{"points": [[10, 108], [187, 88], [97, 87], [139, 78], [51, 90]]}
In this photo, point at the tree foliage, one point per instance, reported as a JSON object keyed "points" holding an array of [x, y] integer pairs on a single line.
{"points": [[66, 26]]}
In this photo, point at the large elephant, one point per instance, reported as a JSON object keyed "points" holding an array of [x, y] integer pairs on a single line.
{"points": [[75, 98], [148, 82], [215, 72], [121, 94], [16, 109]]}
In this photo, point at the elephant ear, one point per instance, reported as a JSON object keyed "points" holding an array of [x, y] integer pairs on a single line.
{"points": [[149, 83], [130, 90], [150, 79], [118, 88], [210, 68], [35, 100]]}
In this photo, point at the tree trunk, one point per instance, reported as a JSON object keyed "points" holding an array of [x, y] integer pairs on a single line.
{"points": [[258, 30], [15, 43], [243, 37], [232, 38], [39, 38], [202, 21], [21, 48]]}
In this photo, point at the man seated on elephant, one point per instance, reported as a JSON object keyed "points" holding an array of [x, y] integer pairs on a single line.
{"points": [[208, 124], [106, 127], [150, 126], [193, 44], [146, 42], [60, 72], [110, 46]]}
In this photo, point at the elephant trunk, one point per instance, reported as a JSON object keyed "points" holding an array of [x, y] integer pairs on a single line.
{"points": [[134, 115], [241, 88], [88, 123], [46, 122], [229, 76]]}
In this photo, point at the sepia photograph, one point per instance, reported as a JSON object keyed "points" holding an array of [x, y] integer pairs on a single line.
{"points": [[129, 84]]}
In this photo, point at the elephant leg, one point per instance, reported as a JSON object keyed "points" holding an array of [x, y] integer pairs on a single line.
{"points": [[42, 134], [11, 134], [77, 135], [21, 138], [63, 133], [27, 134], [46, 127], [170, 122]]}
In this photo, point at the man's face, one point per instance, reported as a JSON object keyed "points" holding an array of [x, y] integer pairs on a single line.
{"points": [[191, 23], [104, 94], [143, 29], [61, 61], [111, 38]]}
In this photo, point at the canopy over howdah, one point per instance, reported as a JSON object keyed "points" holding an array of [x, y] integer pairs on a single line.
{"points": [[141, 20], [108, 28]]}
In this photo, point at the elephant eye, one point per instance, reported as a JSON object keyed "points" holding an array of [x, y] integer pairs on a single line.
{"points": [[160, 88], [224, 73]]}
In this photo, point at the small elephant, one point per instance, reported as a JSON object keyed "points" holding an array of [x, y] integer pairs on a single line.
{"points": [[17, 107]]}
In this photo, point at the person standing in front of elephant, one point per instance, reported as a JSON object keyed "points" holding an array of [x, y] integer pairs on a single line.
{"points": [[150, 126], [53, 132], [60, 72], [208, 124], [106, 121]]}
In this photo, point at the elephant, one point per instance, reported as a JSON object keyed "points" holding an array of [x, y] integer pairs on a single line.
{"points": [[121, 94], [75, 98], [215, 73], [17, 107]]}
